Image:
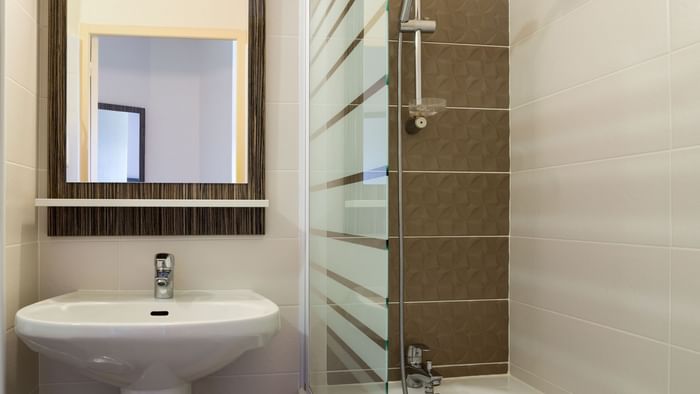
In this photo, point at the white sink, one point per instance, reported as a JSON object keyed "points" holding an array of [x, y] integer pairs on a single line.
{"points": [[144, 345]]}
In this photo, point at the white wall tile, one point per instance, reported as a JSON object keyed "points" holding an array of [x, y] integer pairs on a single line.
{"points": [[535, 381], [684, 372], [30, 7], [246, 384], [43, 62], [282, 18], [43, 12], [78, 388], [685, 28], [584, 358], [620, 286], [282, 69], [21, 366], [21, 46], [685, 183], [20, 219], [267, 266], [53, 372], [71, 266], [281, 355], [282, 217], [281, 136], [622, 200], [21, 125], [626, 113], [598, 38], [685, 293], [528, 16], [42, 143], [21, 271], [685, 96]]}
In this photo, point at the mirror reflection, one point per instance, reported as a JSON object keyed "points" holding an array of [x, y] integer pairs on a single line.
{"points": [[154, 96]]}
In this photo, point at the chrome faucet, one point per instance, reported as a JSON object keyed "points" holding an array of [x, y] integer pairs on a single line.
{"points": [[165, 276], [420, 374]]}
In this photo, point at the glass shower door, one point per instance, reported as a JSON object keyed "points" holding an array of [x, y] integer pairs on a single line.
{"points": [[348, 196]]}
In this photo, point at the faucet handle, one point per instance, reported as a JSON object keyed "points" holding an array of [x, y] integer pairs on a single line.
{"points": [[164, 262], [415, 354]]}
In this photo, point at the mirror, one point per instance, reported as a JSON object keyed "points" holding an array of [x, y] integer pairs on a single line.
{"points": [[157, 91]]}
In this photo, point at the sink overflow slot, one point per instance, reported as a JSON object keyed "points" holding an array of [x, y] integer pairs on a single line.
{"points": [[160, 313]]}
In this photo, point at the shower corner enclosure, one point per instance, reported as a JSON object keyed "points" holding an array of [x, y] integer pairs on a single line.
{"points": [[348, 159]]}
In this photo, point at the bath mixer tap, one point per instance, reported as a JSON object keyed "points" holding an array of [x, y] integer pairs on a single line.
{"points": [[165, 276], [420, 374]]}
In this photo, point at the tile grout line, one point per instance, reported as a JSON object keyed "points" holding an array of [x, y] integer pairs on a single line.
{"points": [[394, 106], [592, 323], [596, 161], [669, 92], [457, 44], [540, 378], [548, 24], [590, 81]]}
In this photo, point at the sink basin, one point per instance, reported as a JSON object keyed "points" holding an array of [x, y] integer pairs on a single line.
{"points": [[144, 345]]}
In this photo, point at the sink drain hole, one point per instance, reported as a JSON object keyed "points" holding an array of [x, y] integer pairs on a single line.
{"points": [[160, 313]]}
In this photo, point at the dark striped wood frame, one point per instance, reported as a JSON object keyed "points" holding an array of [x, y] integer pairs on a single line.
{"points": [[154, 221]]}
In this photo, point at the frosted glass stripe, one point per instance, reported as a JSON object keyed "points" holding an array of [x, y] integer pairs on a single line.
{"points": [[348, 159]]}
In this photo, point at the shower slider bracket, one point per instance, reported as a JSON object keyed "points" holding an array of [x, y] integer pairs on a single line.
{"points": [[423, 25]]}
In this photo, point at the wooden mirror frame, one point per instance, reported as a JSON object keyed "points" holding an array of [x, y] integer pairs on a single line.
{"points": [[110, 221]]}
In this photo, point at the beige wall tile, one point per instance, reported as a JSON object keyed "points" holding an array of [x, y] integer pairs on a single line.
{"points": [[535, 381], [21, 366], [529, 16], [78, 388], [21, 125], [20, 221], [584, 358], [278, 384], [30, 7], [267, 266], [685, 28], [20, 279], [282, 138], [282, 69], [622, 200], [281, 355], [21, 50], [594, 40], [624, 114], [282, 218], [43, 65], [685, 96], [620, 286], [42, 143], [684, 371], [685, 293], [70, 266], [281, 18], [685, 183], [43, 12]]}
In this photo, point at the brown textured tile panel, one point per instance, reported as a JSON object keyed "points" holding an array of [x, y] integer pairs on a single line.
{"points": [[471, 332], [456, 140], [445, 204], [455, 371], [441, 269], [466, 76], [461, 21]]}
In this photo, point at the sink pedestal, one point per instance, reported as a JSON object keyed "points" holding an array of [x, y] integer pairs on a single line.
{"points": [[184, 389]]}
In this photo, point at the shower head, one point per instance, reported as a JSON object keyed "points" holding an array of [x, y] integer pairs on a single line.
{"points": [[406, 10]]}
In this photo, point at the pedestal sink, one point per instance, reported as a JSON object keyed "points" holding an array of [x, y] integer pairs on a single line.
{"points": [[144, 345]]}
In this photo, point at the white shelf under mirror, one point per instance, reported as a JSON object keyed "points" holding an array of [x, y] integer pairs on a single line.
{"points": [[107, 203]]}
